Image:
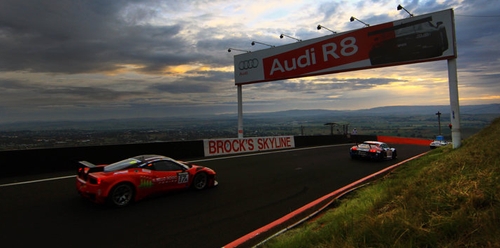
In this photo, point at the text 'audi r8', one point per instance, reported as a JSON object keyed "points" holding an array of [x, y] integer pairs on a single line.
{"points": [[135, 178], [374, 150]]}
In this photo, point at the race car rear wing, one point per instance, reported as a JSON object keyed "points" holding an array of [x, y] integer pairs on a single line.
{"points": [[91, 167]]}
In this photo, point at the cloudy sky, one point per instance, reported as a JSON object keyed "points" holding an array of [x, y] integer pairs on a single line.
{"points": [[94, 59]]}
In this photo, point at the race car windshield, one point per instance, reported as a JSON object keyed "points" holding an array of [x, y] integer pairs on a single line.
{"points": [[120, 165]]}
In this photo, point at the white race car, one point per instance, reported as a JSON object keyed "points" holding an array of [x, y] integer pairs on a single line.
{"points": [[438, 143], [374, 150]]}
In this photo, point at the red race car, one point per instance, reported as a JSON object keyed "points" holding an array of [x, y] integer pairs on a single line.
{"points": [[135, 178]]}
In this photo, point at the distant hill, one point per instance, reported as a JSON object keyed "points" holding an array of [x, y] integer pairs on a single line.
{"points": [[390, 110], [424, 110], [152, 123]]}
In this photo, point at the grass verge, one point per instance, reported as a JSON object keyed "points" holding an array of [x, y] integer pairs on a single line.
{"points": [[447, 198]]}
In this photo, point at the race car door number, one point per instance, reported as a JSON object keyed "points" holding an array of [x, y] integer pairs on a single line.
{"points": [[183, 177]]}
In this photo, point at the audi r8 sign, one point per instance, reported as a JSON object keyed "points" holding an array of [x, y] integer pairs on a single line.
{"points": [[412, 40]]}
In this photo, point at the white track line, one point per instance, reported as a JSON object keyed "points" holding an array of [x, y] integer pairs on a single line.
{"points": [[36, 181]]}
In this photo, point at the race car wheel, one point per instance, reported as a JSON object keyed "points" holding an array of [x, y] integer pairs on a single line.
{"points": [[121, 195], [383, 156], [394, 155], [200, 181]]}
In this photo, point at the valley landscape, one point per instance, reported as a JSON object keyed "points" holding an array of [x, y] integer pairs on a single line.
{"points": [[403, 121]]}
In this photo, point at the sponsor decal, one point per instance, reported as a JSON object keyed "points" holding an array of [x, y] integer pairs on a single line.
{"points": [[412, 40], [231, 146], [248, 64], [145, 183], [329, 53], [165, 180]]}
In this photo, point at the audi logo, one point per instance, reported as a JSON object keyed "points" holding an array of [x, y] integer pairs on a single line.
{"points": [[248, 64]]}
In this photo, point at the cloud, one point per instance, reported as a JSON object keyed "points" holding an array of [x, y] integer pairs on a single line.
{"points": [[81, 37], [324, 84], [126, 58]]}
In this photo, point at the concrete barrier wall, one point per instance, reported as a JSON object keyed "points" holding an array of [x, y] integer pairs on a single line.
{"points": [[37, 161], [305, 141], [403, 140]]}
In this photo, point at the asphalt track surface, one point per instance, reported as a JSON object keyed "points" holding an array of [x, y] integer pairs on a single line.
{"points": [[254, 190]]}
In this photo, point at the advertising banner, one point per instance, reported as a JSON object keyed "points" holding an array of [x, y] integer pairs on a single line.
{"points": [[412, 40], [215, 147]]}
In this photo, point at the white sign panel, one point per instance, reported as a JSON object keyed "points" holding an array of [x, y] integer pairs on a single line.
{"points": [[412, 40], [214, 147]]}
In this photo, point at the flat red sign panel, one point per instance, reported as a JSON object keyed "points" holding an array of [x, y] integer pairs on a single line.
{"points": [[412, 40], [333, 52]]}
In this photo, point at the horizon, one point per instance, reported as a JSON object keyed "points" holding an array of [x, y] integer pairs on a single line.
{"points": [[234, 114]]}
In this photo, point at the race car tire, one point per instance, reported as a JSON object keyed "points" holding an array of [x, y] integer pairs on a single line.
{"points": [[383, 156], [200, 181], [121, 195], [394, 155]]}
